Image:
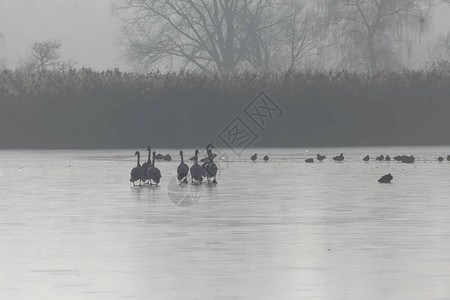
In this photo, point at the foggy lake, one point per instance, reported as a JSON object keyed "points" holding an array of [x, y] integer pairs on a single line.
{"points": [[74, 227]]}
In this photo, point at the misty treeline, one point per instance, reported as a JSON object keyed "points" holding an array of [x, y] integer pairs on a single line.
{"points": [[88, 109], [231, 35]]}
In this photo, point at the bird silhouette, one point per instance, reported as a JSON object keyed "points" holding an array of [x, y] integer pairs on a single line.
{"points": [[137, 173], [182, 170], [153, 172]]}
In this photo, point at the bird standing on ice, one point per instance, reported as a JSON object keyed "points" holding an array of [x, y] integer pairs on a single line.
{"points": [[153, 173], [137, 173], [182, 170]]}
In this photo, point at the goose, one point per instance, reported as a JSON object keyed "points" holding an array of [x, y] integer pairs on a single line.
{"points": [[147, 164], [182, 170], [309, 160], [266, 158], [366, 158], [386, 178], [380, 158], [254, 157], [196, 170], [440, 159], [211, 168], [153, 173], [137, 172], [321, 157], [339, 158], [388, 158]]}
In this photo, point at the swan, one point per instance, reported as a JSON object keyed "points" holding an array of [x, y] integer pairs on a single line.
{"points": [[196, 170], [440, 159], [254, 157], [137, 173], [380, 158], [366, 158], [388, 158], [147, 164], [211, 168], [309, 160], [266, 158], [153, 172], [321, 157], [182, 170]]}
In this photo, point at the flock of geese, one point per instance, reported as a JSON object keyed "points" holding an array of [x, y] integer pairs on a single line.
{"points": [[147, 173]]}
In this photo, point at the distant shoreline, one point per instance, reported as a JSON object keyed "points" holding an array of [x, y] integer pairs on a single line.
{"points": [[83, 109]]}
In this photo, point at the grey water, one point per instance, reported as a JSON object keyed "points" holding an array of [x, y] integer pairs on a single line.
{"points": [[73, 227]]}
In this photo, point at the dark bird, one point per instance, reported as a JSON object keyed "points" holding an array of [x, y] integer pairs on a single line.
{"points": [[147, 164], [380, 158], [167, 157], [266, 158], [182, 170], [388, 158], [159, 156], [321, 157], [339, 158], [137, 172], [398, 157], [366, 158], [211, 168], [440, 159], [196, 170], [448, 157], [254, 157], [386, 178], [153, 173], [309, 160], [408, 159]]}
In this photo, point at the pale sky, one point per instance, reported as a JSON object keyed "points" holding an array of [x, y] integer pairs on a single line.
{"points": [[86, 28]]}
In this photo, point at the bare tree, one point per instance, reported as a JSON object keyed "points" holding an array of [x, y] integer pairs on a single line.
{"points": [[372, 31], [44, 56], [303, 31], [208, 35]]}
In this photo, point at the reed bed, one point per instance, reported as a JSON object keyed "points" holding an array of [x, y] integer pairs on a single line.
{"points": [[88, 109]]}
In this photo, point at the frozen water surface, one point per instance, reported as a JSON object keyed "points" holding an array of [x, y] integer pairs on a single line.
{"points": [[73, 227]]}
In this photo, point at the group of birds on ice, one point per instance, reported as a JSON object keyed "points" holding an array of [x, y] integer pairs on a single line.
{"points": [[148, 173]]}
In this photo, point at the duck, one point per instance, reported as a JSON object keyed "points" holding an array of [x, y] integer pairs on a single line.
{"points": [[266, 158], [339, 157], [386, 178], [321, 157], [254, 157], [380, 158]]}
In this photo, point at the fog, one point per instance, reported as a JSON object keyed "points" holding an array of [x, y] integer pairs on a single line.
{"points": [[88, 31]]}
